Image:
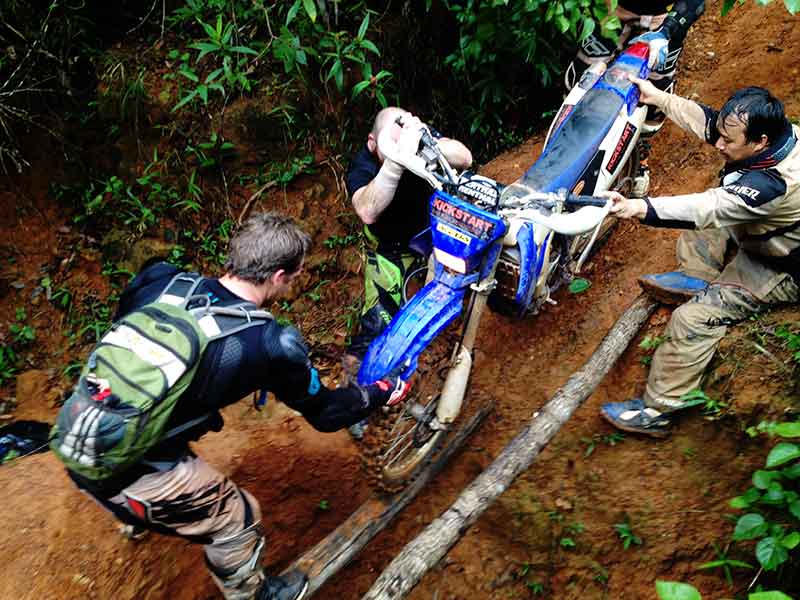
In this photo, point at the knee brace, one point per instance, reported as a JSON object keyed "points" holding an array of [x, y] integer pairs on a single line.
{"points": [[239, 582]]}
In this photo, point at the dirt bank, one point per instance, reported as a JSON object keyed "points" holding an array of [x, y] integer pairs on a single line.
{"points": [[672, 494]]}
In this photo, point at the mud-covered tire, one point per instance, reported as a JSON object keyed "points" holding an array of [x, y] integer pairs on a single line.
{"points": [[386, 470], [402, 472]]}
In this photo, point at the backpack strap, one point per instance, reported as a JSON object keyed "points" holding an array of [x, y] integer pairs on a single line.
{"points": [[215, 321], [221, 321], [180, 289]]}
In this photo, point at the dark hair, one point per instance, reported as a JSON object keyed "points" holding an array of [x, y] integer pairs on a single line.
{"points": [[266, 243], [761, 112]]}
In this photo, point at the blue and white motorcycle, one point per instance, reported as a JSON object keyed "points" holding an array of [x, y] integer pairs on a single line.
{"points": [[507, 245]]}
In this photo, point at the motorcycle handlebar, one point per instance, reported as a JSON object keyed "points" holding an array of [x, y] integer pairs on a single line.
{"points": [[576, 201]]}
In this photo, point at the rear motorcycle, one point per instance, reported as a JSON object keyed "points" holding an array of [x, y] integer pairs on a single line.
{"points": [[509, 246]]}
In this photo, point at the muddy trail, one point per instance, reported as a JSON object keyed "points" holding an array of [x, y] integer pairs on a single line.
{"points": [[552, 534]]}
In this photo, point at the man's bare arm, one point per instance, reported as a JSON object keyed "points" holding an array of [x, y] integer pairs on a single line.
{"points": [[372, 199], [456, 153]]}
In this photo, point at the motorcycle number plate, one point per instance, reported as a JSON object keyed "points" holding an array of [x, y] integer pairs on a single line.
{"points": [[453, 233], [463, 219]]}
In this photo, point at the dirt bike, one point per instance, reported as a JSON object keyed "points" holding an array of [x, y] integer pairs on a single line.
{"points": [[509, 246]]}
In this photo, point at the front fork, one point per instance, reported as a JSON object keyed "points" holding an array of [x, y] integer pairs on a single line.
{"points": [[455, 384]]}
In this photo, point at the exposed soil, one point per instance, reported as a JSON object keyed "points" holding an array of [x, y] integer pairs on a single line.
{"points": [[56, 543]]}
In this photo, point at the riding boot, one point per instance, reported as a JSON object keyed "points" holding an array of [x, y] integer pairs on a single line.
{"points": [[673, 287], [292, 586]]}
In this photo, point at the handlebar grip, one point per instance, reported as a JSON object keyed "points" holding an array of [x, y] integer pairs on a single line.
{"points": [[575, 201]]}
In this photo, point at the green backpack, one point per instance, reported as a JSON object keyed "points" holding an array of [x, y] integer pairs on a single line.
{"points": [[134, 376]]}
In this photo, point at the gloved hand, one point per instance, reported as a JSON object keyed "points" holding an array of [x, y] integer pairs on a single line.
{"points": [[408, 141], [390, 390], [658, 42]]}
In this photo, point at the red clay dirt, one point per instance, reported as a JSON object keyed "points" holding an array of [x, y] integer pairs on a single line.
{"points": [[56, 543]]}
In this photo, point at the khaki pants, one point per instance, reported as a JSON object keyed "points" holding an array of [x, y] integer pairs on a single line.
{"points": [[195, 501], [736, 292]]}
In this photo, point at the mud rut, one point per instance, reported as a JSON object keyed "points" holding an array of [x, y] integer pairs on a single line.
{"points": [[57, 544]]}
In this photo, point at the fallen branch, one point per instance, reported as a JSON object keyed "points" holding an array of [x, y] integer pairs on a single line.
{"points": [[346, 541], [253, 198], [430, 546]]}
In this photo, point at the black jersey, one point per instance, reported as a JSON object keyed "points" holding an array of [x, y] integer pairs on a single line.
{"points": [[407, 213]]}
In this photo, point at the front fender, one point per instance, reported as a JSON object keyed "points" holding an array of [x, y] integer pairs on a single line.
{"points": [[432, 309]]}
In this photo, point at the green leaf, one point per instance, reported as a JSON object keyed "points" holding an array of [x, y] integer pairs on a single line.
{"points": [[793, 6], [674, 590], [190, 75], [746, 499], [790, 541], [208, 29], [749, 527], [370, 46], [794, 508], [226, 37], [360, 87], [788, 430], [205, 48], [213, 75], [335, 67], [244, 50], [184, 101], [579, 285], [725, 562], [762, 479], [562, 23], [339, 78], [696, 397], [791, 472], [362, 30], [774, 494], [782, 453], [768, 596], [771, 553], [311, 10], [588, 28], [292, 12]]}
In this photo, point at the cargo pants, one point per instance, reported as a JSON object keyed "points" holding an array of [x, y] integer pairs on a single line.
{"points": [[736, 291]]}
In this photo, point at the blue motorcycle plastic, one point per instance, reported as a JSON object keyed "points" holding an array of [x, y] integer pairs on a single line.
{"points": [[497, 241]]}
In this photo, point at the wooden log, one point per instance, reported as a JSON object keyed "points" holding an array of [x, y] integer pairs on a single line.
{"points": [[430, 546], [332, 553]]}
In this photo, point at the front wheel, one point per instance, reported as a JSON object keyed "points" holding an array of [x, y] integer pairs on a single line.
{"points": [[407, 442], [399, 440]]}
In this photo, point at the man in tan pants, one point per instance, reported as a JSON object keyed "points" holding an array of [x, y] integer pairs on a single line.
{"points": [[755, 210], [175, 492]]}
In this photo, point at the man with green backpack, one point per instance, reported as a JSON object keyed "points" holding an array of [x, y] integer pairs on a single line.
{"points": [[181, 348]]}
